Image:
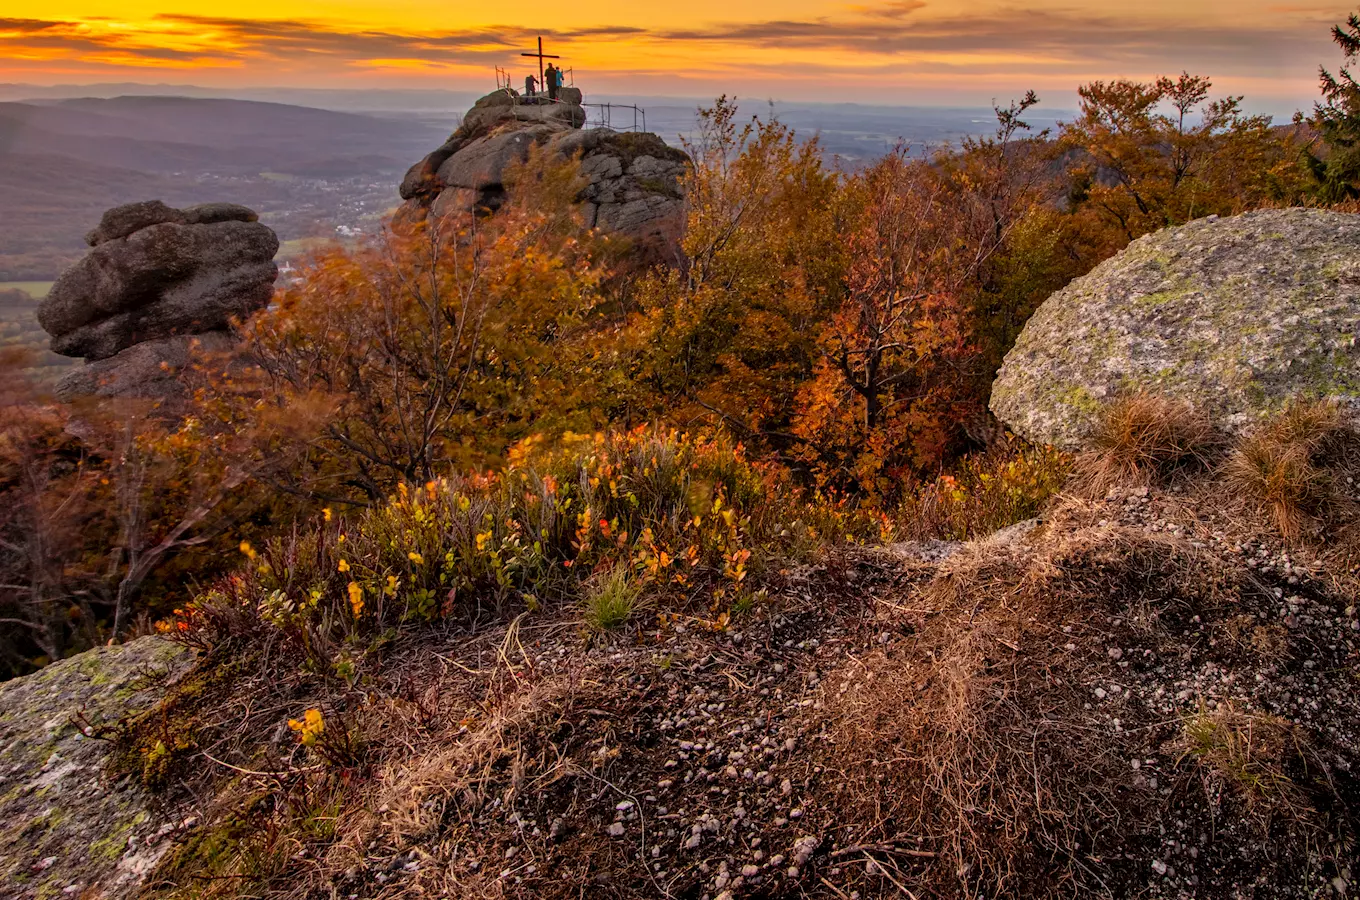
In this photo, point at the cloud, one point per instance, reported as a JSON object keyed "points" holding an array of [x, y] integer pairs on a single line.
{"points": [[1072, 36], [28, 25], [222, 40], [889, 39], [893, 9]]}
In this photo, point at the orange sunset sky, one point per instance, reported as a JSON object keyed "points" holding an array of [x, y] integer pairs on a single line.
{"points": [[899, 51]]}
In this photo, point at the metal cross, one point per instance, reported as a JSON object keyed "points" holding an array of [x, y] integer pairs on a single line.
{"points": [[541, 56]]}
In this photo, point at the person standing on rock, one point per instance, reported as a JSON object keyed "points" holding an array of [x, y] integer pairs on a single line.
{"points": [[552, 77], [530, 82]]}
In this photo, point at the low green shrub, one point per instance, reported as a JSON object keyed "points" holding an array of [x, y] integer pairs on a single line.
{"points": [[612, 600]]}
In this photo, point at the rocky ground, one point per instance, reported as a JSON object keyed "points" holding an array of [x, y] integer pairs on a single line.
{"points": [[1142, 695]]}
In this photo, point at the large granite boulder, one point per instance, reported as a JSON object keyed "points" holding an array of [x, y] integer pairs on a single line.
{"points": [[66, 828], [157, 276], [122, 221], [481, 164], [1235, 316], [635, 189]]}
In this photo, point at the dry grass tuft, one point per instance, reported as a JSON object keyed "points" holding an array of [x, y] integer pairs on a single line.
{"points": [[1253, 754], [1143, 438], [1290, 466]]}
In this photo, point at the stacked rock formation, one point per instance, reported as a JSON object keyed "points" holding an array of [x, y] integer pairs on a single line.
{"points": [[159, 282], [635, 191], [1236, 317]]}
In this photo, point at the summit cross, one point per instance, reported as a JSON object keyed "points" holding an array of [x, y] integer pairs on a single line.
{"points": [[541, 56]]}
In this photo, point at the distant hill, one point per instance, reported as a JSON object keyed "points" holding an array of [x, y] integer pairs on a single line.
{"points": [[19, 329], [177, 134], [306, 170], [380, 101]]}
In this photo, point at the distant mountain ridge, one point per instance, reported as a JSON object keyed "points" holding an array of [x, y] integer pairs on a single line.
{"points": [[62, 162], [178, 133], [371, 100]]}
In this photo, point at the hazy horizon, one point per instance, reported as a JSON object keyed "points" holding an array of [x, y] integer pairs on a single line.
{"points": [[917, 53], [380, 100]]}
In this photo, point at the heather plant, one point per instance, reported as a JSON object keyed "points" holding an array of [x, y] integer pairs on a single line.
{"points": [[673, 515], [1008, 483]]}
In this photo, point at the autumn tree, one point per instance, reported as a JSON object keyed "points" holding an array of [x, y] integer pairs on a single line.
{"points": [[887, 389], [108, 512], [1148, 155], [434, 348], [730, 337], [1003, 191]]}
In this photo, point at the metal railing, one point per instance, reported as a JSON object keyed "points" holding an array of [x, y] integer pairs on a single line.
{"points": [[603, 117], [503, 82]]}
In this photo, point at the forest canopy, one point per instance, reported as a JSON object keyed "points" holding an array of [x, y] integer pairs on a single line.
{"points": [[833, 334]]}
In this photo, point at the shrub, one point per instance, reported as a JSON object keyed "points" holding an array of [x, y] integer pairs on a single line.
{"points": [[601, 516], [1144, 438], [1007, 484], [612, 599], [1250, 752]]}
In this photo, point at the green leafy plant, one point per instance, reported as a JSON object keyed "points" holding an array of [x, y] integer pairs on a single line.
{"points": [[612, 599]]}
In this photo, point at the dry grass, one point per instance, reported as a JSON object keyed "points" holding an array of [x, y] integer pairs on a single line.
{"points": [[943, 744], [1142, 438], [1290, 467], [983, 737], [432, 799]]}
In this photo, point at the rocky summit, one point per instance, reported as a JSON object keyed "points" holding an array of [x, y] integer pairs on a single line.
{"points": [[635, 188], [1235, 316], [157, 282]]}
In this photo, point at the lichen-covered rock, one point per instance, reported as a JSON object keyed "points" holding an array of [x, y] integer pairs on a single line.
{"points": [[1235, 316], [66, 829], [635, 188]]}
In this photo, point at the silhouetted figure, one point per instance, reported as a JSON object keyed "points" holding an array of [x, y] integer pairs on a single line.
{"points": [[554, 78], [529, 83]]}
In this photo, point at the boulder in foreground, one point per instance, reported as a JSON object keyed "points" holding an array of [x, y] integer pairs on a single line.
{"points": [[1234, 316], [66, 830]]}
